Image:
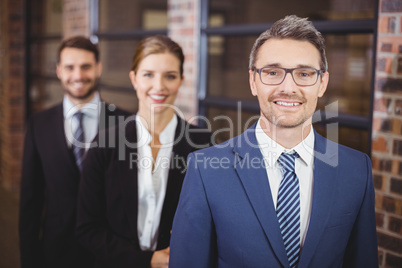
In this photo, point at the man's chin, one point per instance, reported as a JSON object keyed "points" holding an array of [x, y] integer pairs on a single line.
{"points": [[80, 96]]}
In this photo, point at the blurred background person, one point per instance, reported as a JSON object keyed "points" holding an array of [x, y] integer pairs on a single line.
{"points": [[55, 145]]}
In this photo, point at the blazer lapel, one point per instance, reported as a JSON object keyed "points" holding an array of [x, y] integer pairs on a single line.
{"points": [[256, 185], [61, 142], [325, 172], [176, 174], [180, 151]]}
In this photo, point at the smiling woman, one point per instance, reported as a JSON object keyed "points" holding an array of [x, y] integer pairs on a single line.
{"points": [[126, 206], [157, 80]]}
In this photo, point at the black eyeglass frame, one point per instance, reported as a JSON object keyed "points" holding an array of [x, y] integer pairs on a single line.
{"points": [[289, 70]]}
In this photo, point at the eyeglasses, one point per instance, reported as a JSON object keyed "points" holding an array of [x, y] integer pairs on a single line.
{"points": [[301, 76]]}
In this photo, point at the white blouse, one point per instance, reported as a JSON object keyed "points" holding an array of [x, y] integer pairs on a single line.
{"points": [[152, 181]]}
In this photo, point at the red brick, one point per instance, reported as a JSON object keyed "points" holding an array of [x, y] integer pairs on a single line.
{"points": [[382, 105], [397, 147], [400, 27], [389, 43], [380, 257], [397, 126], [389, 204], [399, 63], [385, 165], [379, 144], [389, 85], [396, 186], [400, 168], [396, 164], [376, 124], [395, 225], [379, 219], [12, 94], [386, 47], [378, 200], [378, 182], [398, 107], [187, 31], [389, 242], [383, 25], [393, 261], [390, 6]]}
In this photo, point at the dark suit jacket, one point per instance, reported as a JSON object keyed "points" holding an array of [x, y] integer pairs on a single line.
{"points": [[49, 187], [108, 196], [226, 216]]}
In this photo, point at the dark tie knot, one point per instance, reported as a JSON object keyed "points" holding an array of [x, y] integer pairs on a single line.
{"points": [[287, 161], [79, 115]]}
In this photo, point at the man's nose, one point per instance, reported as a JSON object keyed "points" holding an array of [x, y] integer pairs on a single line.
{"points": [[288, 85], [77, 73]]}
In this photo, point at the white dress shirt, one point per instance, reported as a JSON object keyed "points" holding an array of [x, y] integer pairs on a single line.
{"points": [[152, 181], [91, 111], [304, 167]]}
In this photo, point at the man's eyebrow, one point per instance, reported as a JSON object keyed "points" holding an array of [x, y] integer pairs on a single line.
{"points": [[272, 65], [281, 66]]}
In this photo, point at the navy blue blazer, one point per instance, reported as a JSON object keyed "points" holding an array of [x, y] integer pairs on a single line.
{"points": [[49, 188], [226, 216]]}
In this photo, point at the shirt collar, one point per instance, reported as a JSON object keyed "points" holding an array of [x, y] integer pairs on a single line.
{"points": [[90, 109], [271, 150], [165, 137]]}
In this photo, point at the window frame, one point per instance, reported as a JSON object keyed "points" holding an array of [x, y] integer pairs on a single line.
{"points": [[135, 34], [359, 26]]}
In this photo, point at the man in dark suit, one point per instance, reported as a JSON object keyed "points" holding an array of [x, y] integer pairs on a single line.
{"points": [[55, 146], [279, 195]]}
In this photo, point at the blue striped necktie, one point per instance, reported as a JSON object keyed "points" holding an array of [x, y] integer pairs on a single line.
{"points": [[288, 207], [79, 140]]}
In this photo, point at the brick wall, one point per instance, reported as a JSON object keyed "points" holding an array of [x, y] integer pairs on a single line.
{"points": [[12, 91], [387, 134], [183, 25]]}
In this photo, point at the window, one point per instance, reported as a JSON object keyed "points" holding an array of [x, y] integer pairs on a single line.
{"points": [[229, 29], [45, 28], [121, 25]]}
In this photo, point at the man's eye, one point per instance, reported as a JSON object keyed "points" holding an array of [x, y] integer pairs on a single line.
{"points": [[86, 67], [270, 72], [305, 73]]}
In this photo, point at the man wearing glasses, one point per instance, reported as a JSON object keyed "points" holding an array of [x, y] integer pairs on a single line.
{"points": [[279, 195]]}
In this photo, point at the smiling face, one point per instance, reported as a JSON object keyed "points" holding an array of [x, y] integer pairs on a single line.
{"points": [[287, 105], [78, 72], [157, 81]]}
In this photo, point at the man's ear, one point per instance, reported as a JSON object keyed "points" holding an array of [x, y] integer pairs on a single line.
{"points": [[100, 68], [324, 84], [251, 80]]}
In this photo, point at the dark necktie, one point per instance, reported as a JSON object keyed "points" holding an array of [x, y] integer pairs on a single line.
{"points": [[79, 141], [288, 207]]}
